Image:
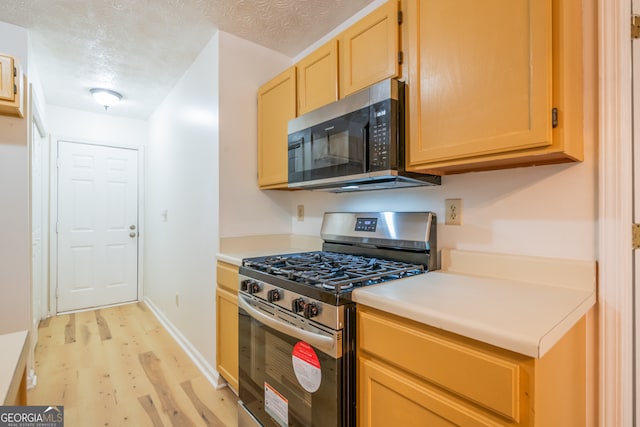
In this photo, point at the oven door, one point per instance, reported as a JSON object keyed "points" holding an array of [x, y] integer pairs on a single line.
{"points": [[291, 371], [330, 151]]}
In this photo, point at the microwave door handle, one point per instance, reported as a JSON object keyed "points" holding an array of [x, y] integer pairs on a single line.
{"points": [[321, 342]]}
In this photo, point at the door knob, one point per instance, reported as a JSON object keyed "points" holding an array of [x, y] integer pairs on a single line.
{"points": [[132, 234], [132, 227]]}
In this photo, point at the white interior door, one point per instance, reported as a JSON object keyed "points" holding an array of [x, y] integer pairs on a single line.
{"points": [[97, 226]]}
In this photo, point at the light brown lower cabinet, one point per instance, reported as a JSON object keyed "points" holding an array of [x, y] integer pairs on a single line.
{"points": [[410, 374], [227, 323]]}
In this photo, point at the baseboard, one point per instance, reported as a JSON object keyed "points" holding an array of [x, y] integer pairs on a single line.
{"points": [[210, 373], [32, 379]]}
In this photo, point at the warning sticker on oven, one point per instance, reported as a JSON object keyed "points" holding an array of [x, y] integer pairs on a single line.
{"points": [[276, 405], [306, 366]]}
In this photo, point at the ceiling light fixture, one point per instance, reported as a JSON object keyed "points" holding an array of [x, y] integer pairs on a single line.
{"points": [[106, 97]]}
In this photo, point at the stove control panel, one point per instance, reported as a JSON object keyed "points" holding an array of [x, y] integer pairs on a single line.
{"points": [[301, 305], [366, 224]]}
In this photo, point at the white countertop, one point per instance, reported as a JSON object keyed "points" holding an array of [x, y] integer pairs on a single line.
{"points": [[12, 363], [523, 304], [520, 314], [234, 249]]}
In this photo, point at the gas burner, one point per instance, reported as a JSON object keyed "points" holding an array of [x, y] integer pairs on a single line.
{"points": [[332, 287]]}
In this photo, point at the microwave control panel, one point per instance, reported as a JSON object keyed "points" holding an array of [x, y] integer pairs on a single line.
{"points": [[381, 145]]}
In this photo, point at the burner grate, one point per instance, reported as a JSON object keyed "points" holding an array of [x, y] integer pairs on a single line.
{"points": [[334, 271]]}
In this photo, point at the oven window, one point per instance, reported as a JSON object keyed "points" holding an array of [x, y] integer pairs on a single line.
{"points": [[271, 388]]}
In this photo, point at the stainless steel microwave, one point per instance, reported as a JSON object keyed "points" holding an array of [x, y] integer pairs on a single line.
{"points": [[354, 144]]}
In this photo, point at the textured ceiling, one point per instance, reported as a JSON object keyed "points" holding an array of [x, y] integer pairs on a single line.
{"points": [[141, 47]]}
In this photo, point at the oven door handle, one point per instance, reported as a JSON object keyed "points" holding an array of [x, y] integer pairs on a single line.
{"points": [[321, 342]]}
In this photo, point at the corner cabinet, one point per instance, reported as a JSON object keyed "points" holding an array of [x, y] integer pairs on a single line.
{"points": [[11, 87], [317, 82], [370, 49], [227, 323], [276, 106], [411, 374], [488, 81]]}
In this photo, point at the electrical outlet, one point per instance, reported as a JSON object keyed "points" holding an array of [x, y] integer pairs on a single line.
{"points": [[453, 211], [300, 213]]}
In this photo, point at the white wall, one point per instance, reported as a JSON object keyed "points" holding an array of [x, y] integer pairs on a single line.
{"points": [[82, 126], [201, 169], [15, 239], [541, 211], [244, 209], [182, 179]]}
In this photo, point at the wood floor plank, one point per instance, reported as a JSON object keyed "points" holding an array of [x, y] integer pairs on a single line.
{"points": [[223, 402], [102, 382], [206, 414], [44, 323], [151, 410], [70, 330], [152, 368], [103, 326]]}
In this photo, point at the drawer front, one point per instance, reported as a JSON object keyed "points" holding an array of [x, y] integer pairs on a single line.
{"points": [[476, 374], [228, 276], [390, 397]]}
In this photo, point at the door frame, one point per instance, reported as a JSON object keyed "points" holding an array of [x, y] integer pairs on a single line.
{"points": [[615, 209], [37, 119], [53, 239]]}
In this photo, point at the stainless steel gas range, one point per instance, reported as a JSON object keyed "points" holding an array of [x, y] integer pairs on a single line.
{"points": [[297, 320]]}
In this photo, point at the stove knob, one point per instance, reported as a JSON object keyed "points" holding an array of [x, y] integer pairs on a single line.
{"points": [[297, 305], [273, 295], [244, 285], [254, 287], [310, 310]]}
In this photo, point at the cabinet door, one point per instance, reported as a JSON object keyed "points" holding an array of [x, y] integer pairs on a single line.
{"points": [[369, 49], [388, 397], [227, 335], [318, 78], [479, 78], [276, 106], [227, 276], [6, 78]]}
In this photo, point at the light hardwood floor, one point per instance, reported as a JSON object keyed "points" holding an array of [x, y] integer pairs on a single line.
{"points": [[120, 367]]}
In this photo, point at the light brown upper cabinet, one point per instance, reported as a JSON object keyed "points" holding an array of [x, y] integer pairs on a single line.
{"points": [[369, 50], [11, 87], [318, 78], [487, 82], [276, 106]]}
